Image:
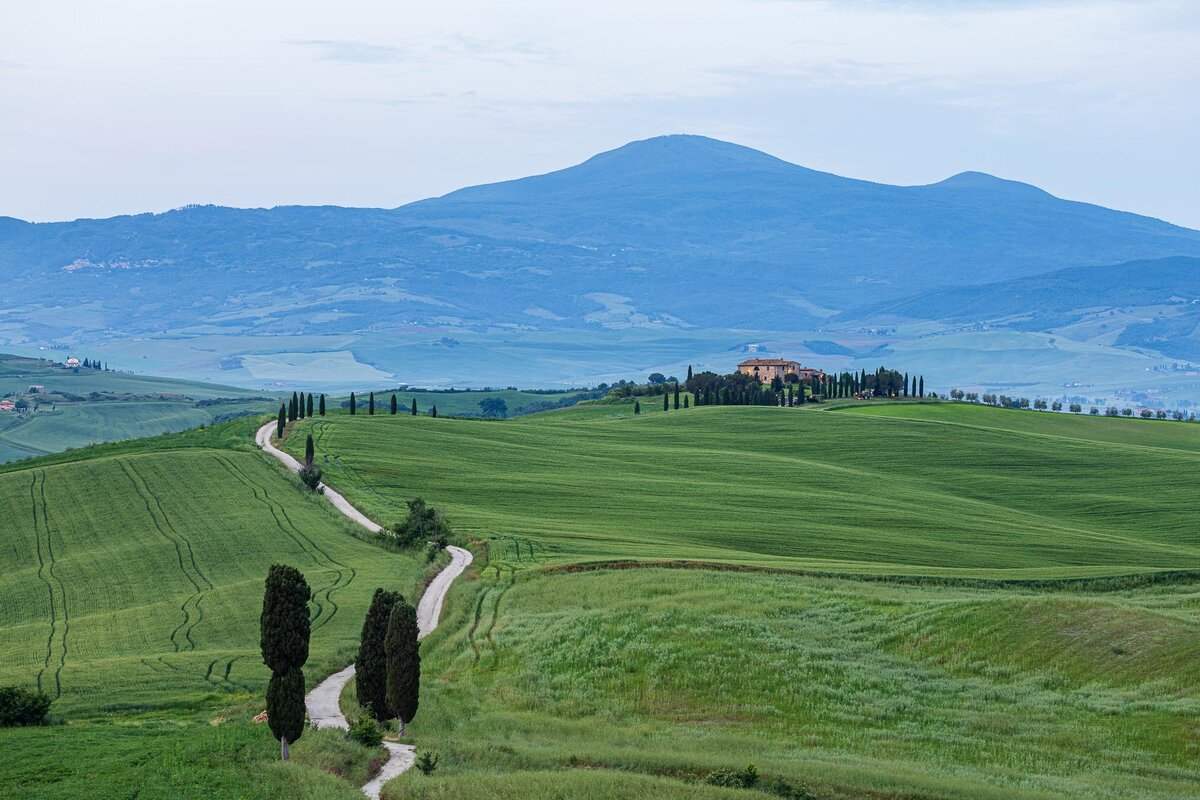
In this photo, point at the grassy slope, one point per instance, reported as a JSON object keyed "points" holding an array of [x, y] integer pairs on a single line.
{"points": [[134, 406], [152, 555], [783, 487], [465, 403], [855, 689]]}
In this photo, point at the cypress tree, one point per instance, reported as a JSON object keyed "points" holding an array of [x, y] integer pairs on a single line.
{"points": [[906, 384], [689, 377], [295, 407], [281, 423], [309, 450], [791, 396], [393, 405], [370, 676], [403, 663], [433, 412], [310, 404], [285, 630], [676, 395], [921, 392], [637, 407], [353, 404], [685, 401], [300, 407], [371, 404], [666, 402], [414, 406], [322, 405]]}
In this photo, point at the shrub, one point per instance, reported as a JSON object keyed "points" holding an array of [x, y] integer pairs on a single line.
{"points": [[740, 779], [23, 706], [310, 476], [789, 791], [423, 524], [427, 763], [364, 731]]}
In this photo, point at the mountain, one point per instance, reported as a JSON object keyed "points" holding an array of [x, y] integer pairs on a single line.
{"points": [[676, 233]]}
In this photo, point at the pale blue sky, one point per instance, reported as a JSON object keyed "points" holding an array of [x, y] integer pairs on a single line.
{"points": [[121, 107]]}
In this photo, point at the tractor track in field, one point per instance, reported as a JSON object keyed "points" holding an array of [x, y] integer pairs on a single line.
{"points": [[46, 564], [344, 575], [200, 583]]}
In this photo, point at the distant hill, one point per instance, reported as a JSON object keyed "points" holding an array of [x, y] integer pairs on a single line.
{"points": [[1153, 304]]}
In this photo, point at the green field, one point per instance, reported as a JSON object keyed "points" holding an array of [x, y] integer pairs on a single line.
{"points": [[853, 689], [81, 407], [786, 488], [466, 403]]}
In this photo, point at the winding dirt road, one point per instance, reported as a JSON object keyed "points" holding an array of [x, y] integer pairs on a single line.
{"points": [[323, 701]]}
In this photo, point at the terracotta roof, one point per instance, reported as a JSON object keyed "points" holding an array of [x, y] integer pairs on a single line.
{"points": [[767, 362]]}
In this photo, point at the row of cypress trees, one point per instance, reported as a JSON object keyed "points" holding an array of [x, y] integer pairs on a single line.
{"points": [[394, 405], [388, 666], [299, 407]]}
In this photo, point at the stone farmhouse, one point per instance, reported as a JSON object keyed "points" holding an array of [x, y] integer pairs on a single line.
{"points": [[767, 369]]}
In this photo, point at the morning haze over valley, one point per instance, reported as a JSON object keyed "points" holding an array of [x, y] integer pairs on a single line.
{"points": [[722, 400]]}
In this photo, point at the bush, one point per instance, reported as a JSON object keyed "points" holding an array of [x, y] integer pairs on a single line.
{"points": [[310, 476], [740, 779], [23, 706], [423, 524], [364, 731], [789, 791], [427, 763]]}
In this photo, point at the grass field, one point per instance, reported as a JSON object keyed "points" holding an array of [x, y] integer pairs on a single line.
{"points": [[785, 488], [86, 406], [466, 403], [852, 689]]}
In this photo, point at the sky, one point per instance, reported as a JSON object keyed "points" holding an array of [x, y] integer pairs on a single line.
{"points": [[124, 107]]}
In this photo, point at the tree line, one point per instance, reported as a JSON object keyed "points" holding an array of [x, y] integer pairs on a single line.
{"points": [[1040, 404]]}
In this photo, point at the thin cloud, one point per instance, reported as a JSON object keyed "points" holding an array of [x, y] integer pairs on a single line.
{"points": [[353, 52]]}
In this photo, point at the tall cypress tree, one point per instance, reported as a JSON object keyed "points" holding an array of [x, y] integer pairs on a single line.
{"points": [[906, 384], [370, 676], [291, 413], [309, 450], [281, 423], [433, 412], [403, 663], [791, 396], [294, 410], [666, 402], [394, 405], [685, 401], [300, 407], [921, 392], [637, 407], [677, 395], [414, 406], [322, 405], [310, 404], [689, 377], [353, 404], [371, 404], [285, 630]]}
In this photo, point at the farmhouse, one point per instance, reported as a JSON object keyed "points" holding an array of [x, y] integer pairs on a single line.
{"points": [[767, 369], [7, 405], [35, 388], [73, 362]]}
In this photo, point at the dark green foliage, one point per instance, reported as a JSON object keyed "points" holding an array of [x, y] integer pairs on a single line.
{"points": [[777, 384], [281, 423], [433, 412], [310, 476], [20, 706], [370, 677], [366, 732], [689, 377], [666, 402], [310, 404], [491, 407], [284, 623], [294, 408], [353, 404], [309, 450], [403, 662], [414, 406], [906, 384], [300, 407], [322, 409], [427, 762], [739, 779], [423, 524], [371, 404], [285, 706], [394, 407], [637, 407], [685, 401], [676, 396], [656, 378], [788, 791], [285, 630], [921, 390]]}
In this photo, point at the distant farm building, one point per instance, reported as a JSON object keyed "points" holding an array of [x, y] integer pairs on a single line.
{"points": [[767, 369], [73, 362], [35, 388], [7, 405]]}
